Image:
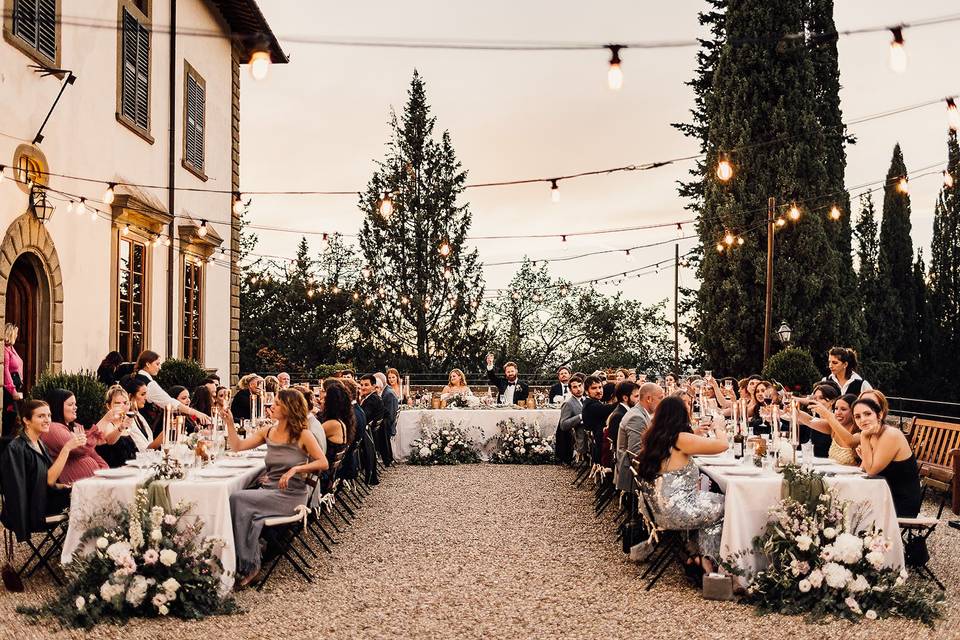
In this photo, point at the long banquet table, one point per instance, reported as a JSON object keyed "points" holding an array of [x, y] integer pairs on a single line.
{"points": [[210, 498], [751, 493], [481, 424]]}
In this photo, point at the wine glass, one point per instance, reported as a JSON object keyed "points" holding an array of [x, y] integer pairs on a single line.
{"points": [[708, 375], [268, 399]]}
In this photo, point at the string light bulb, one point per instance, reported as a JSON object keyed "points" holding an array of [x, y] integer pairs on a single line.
{"points": [[555, 193], [447, 273], [780, 222], [898, 55], [903, 186], [309, 293], [356, 296], [71, 206], [724, 169], [947, 179], [835, 212], [719, 248], [108, 195], [166, 241], [238, 203], [563, 238], [386, 206], [615, 73], [335, 290], [404, 300], [629, 257], [2, 174], [365, 272], [93, 215], [953, 114], [728, 239], [679, 230], [794, 212], [740, 240], [202, 229], [445, 249], [259, 64]]}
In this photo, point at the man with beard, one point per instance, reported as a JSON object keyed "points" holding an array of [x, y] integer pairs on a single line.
{"points": [[595, 413], [509, 389], [560, 390], [628, 395], [373, 409], [570, 421]]}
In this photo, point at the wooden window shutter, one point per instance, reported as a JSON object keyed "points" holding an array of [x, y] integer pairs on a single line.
{"points": [[135, 92], [35, 22], [196, 102]]}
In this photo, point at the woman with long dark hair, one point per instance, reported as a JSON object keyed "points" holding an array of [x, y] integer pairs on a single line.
{"points": [[337, 420], [83, 460], [107, 371], [670, 478]]}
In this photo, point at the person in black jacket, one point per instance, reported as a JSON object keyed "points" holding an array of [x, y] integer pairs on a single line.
{"points": [[372, 406], [510, 390], [595, 412], [561, 388], [29, 477], [107, 371]]}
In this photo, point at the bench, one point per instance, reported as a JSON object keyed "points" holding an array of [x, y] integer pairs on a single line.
{"points": [[936, 445]]}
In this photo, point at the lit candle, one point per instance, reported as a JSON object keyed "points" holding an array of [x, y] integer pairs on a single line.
{"points": [[794, 425], [775, 433]]}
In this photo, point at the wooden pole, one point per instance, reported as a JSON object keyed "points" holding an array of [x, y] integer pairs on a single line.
{"points": [[676, 308], [768, 307]]}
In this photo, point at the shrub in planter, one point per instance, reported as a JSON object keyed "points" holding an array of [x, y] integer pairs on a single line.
{"points": [[793, 368], [89, 391], [186, 373]]}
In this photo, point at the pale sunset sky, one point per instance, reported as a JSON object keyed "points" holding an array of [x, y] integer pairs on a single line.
{"points": [[321, 121]]}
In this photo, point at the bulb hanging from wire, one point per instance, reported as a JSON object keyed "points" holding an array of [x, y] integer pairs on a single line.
{"points": [[93, 214], [2, 174], [108, 195], [781, 222], [445, 249], [947, 179], [898, 54], [724, 169], [126, 230], [835, 212], [628, 256], [953, 114], [555, 193], [903, 186], [679, 230], [615, 73], [259, 64], [238, 203], [202, 229], [794, 212], [728, 239], [719, 248], [386, 206]]}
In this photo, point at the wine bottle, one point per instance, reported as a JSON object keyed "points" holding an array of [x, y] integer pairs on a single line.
{"points": [[738, 444]]}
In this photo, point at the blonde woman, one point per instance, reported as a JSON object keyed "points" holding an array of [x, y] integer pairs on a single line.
{"points": [[456, 385], [118, 420], [393, 381]]}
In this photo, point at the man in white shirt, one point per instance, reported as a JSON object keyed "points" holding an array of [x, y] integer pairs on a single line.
{"points": [[284, 378], [148, 366], [561, 388], [510, 390]]}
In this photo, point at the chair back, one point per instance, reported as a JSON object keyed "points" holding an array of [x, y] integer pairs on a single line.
{"points": [[934, 443]]}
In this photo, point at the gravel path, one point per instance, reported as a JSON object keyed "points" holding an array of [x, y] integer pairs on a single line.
{"points": [[488, 551]]}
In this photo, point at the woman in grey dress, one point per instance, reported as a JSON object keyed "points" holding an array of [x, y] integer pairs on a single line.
{"points": [[292, 450], [670, 478]]}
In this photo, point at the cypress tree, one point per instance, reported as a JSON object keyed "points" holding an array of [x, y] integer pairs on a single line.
{"points": [[945, 275], [918, 370], [896, 339], [866, 233], [764, 88]]}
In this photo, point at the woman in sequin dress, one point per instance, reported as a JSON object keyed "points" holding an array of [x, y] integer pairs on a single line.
{"points": [[670, 478]]}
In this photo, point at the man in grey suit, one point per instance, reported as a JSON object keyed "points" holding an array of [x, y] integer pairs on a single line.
{"points": [[569, 420], [632, 426]]}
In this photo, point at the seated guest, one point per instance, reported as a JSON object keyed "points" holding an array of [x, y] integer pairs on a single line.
{"points": [[338, 419], [670, 382], [83, 460], [181, 395], [271, 384], [596, 409], [140, 431], [561, 388], [840, 418], [759, 408], [284, 379], [627, 394], [620, 375], [818, 431], [630, 434], [670, 479], [842, 363], [570, 421], [222, 396], [391, 405], [312, 421], [148, 366], [510, 390], [107, 371], [204, 400], [456, 385], [393, 381], [117, 405], [30, 476], [886, 452], [374, 413], [242, 405], [292, 453]]}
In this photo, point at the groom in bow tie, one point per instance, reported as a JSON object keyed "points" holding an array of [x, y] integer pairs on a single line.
{"points": [[509, 389]]}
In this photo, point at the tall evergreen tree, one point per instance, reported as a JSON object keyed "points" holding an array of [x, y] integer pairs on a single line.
{"points": [[418, 252], [919, 372], [896, 339], [945, 275], [868, 279], [764, 88]]}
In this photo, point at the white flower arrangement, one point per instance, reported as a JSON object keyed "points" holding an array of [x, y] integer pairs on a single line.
{"points": [[441, 445], [818, 566], [520, 442]]}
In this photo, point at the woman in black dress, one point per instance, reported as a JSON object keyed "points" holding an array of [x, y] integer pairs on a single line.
{"points": [[886, 453]]}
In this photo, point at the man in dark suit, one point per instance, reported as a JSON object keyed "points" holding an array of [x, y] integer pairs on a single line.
{"points": [[630, 435], [509, 389], [628, 394], [372, 407], [595, 413], [569, 421], [562, 387]]}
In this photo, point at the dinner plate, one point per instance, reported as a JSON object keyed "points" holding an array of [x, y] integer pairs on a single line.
{"points": [[844, 471], [744, 471], [119, 472], [214, 472], [236, 463], [255, 453]]}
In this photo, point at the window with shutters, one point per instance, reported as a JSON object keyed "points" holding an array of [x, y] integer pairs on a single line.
{"points": [[194, 120], [192, 309], [33, 26], [133, 75], [131, 296]]}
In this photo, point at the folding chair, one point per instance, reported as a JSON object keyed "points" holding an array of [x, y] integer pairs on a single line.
{"points": [[667, 543], [916, 531], [280, 533]]}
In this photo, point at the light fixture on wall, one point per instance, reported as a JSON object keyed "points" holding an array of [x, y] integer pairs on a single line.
{"points": [[42, 207]]}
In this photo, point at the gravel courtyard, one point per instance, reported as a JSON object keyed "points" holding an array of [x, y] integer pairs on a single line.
{"points": [[487, 551]]}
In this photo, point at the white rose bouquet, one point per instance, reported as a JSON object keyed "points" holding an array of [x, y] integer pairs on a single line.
{"points": [[520, 442], [442, 444]]}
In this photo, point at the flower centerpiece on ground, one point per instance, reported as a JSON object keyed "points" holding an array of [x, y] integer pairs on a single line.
{"points": [[444, 443], [140, 561], [520, 442], [820, 566]]}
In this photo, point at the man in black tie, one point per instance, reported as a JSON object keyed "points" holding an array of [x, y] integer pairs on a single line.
{"points": [[509, 389], [372, 407], [560, 389]]}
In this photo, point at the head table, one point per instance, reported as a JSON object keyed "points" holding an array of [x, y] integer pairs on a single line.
{"points": [[210, 497], [481, 424], [750, 492]]}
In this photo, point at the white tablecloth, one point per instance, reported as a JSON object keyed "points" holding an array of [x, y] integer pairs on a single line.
{"points": [[749, 498], [481, 424], [210, 498]]}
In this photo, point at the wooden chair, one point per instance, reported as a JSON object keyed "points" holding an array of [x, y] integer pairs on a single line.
{"points": [[936, 445]]}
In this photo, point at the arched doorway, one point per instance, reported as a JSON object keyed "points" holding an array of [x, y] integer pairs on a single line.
{"points": [[28, 307]]}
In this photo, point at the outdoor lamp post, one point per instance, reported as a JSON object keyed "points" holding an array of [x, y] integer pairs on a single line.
{"points": [[40, 205], [784, 333]]}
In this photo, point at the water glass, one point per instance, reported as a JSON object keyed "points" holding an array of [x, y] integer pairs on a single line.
{"points": [[806, 453]]}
